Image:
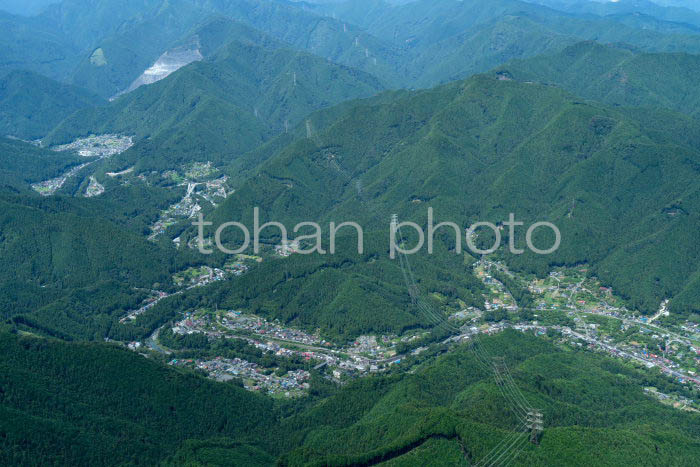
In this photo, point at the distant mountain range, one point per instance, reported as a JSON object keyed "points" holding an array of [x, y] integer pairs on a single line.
{"points": [[583, 114], [617, 75], [525, 148], [246, 105], [229, 104], [416, 44]]}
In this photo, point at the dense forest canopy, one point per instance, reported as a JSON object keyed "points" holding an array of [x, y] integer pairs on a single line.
{"points": [[122, 122]]}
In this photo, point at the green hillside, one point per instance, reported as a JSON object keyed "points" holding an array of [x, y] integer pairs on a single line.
{"points": [[24, 164], [32, 105], [123, 343], [450, 413], [321, 35], [69, 270], [87, 404], [617, 76], [207, 111], [111, 64], [401, 152], [344, 295], [41, 239], [27, 45], [445, 40], [480, 149], [95, 403]]}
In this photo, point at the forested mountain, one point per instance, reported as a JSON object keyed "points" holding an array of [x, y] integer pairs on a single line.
{"points": [[446, 40], [40, 236], [212, 111], [59, 41], [344, 295], [107, 405], [524, 148], [447, 413], [69, 270], [617, 76], [23, 164], [32, 105], [123, 121], [93, 45], [420, 43], [26, 45], [400, 152], [110, 62]]}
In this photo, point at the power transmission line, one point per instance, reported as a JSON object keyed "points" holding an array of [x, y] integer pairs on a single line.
{"points": [[510, 447]]}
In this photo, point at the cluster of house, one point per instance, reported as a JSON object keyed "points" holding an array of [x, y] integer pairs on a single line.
{"points": [[98, 145], [235, 320], [287, 248], [238, 268], [497, 304], [253, 377], [357, 365], [190, 324], [367, 345], [216, 189], [280, 351]]}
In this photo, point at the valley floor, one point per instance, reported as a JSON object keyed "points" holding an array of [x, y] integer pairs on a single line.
{"points": [[568, 306]]}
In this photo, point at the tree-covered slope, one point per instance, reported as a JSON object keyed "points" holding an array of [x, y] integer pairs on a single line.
{"points": [[32, 105], [445, 40], [67, 34], [95, 404], [70, 268], [24, 164], [454, 403], [617, 76], [63, 243], [109, 65], [343, 295], [216, 110], [449, 411], [321, 35], [480, 149], [27, 45]]}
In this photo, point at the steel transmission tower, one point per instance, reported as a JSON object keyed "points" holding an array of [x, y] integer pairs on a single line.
{"points": [[534, 424]]}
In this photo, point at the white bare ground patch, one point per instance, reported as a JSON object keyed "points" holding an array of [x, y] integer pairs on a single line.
{"points": [[120, 174], [94, 188], [168, 63]]}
